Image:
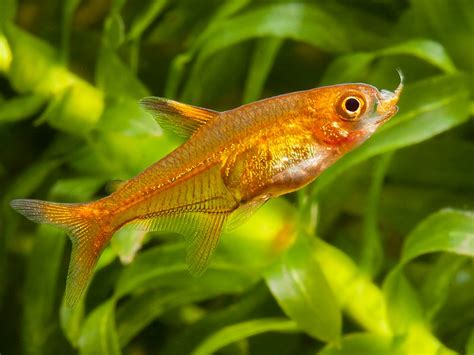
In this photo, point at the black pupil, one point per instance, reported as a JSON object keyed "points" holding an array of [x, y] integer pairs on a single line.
{"points": [[352, 105]]}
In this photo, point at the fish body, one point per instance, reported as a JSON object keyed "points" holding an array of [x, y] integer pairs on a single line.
{"points": [[232, 163]]}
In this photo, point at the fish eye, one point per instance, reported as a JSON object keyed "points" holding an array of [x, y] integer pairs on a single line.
{"points": [[351, 104], [350, 107]]}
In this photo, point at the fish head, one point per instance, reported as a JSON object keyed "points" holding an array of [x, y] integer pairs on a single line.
{"points": [[354, 112]]}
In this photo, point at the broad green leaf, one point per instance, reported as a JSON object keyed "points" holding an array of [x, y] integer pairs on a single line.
{"points": [[20, 107], [448, 230], [404, 308], [424, 49], [262, 61], [357, 66], [427, 108], [301, 22], [243, 330], [99, 335], [302, 291], [363, 344], [358, 296], [406, 316]]}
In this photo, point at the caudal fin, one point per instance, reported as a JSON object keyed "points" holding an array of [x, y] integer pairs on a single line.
{"points": [[87, 236]]}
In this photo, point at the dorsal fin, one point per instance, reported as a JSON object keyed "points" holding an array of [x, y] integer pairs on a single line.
{"points": [[182, 119]]}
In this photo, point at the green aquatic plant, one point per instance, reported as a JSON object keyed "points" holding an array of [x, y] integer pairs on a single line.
{"points": [[375, 257]]}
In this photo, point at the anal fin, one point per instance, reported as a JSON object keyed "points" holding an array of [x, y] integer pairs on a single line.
{"points": [[201, 230], [198, 209]]}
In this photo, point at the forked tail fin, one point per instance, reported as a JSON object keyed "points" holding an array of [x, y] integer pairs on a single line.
{"points": [[86, 231]]}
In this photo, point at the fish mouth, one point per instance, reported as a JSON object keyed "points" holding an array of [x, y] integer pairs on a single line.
{"points": [[387, 102]]}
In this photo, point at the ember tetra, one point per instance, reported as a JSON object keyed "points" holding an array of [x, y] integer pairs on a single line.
{"points": [[232, 163]]}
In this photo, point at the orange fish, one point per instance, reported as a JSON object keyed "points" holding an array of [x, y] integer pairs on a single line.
{"points": [[232, 163]]}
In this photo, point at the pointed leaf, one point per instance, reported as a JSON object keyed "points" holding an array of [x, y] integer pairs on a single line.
{"points": [[243, 330], [301, 289]]}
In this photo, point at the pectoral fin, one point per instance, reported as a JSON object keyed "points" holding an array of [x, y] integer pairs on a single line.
{"points": [[180, 118]]}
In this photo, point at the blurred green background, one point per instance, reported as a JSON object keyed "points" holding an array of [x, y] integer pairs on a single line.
{"points": [[375, 257]]}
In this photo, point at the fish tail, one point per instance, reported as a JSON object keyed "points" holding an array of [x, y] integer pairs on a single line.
{"points": [[89, 234]]}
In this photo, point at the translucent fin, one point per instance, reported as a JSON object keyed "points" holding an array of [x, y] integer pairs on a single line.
{"points": [[201, 230], [198, 209], [245, 211], [180, 118], [87, 236], [114, 185]]}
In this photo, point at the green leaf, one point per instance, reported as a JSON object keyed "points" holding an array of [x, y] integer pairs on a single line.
{"points": [[71, 321], [452, 23], [230, 334], [372, 251], [68, 10], [297, 21], [404, 308], [126, 243], [430, 51], [357, 66], [31, 59], [141, 310], [427, 108], [114, 77], [470, 344], [437, 280], [447, 230], [40, 295], [114, 31], [178, 66], [302, 291], [406, 316], [20, 107], [66, 113], [7, 11], [363, 344], [98, 335], [245, 307], [165, 266], [145, 17], [262, 61]]}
